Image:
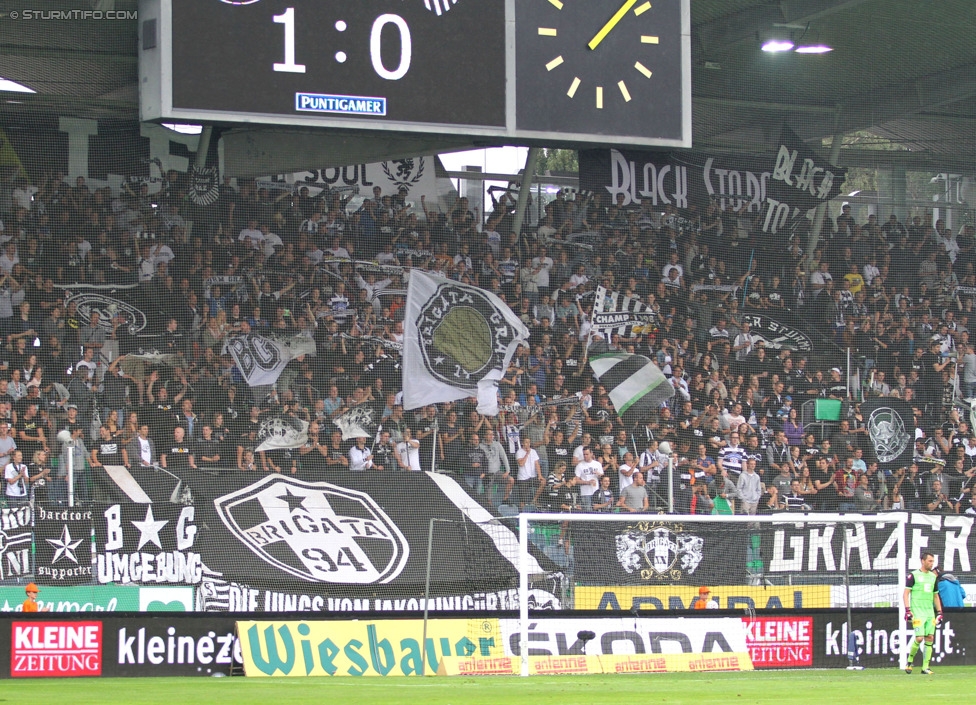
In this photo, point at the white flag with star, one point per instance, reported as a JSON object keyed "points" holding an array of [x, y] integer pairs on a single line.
{"points": [[458, 342]]}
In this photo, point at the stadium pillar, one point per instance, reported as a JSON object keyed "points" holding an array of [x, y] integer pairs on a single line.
{"points": [[203, 146], [899, 193], [821, 213], [525, 190]]}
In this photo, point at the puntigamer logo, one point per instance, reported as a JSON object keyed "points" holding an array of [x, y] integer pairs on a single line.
{"points": [[56, 649]]}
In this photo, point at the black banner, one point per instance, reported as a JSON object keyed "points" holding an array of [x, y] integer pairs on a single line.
{"points": [[15, 542], [282, 544], [63, 546], [648, 552], [780, 188], [891, 430]]}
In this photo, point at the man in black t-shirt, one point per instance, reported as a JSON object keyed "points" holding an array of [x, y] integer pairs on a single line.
{"points": [[108, 450], [207, 449], [179, 457]]}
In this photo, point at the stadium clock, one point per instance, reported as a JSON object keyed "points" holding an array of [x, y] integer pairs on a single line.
{"points": [[609, 68]]}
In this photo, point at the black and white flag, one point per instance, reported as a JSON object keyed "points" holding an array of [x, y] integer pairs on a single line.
{"points": [[635, 385], [359, 422], [891, 429], [458, 341], [261, 360], [282, 432], [15, 542], [626, 316], [204, 185], [62, 538]]}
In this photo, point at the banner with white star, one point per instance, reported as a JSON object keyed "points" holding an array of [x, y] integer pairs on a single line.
{"points": [[62, 538]]}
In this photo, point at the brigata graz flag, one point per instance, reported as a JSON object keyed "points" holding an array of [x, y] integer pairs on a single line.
{"points": [[891, 429], [635, 385], [646, 552], [458, 341]]}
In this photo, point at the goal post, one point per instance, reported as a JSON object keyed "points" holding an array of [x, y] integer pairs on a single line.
{"points": [[637, 563]]}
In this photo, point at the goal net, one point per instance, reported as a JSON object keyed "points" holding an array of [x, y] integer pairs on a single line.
{"points": [[641, 563]]}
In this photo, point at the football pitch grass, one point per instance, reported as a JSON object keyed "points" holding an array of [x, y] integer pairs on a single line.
{"points": [[826, 686]]}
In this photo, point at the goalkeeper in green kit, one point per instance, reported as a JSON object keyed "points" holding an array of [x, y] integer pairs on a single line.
{"points": [[923, 609]]}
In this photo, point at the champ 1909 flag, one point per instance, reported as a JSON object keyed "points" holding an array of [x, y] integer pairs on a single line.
{"points": [[635, 384], [458, 341]]}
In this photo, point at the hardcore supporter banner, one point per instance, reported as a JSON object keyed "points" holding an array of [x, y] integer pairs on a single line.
{"points": [[64, 548], [781, 189], [890, 424], [278, 543]]}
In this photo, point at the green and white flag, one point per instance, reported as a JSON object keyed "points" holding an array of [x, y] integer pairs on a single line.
{"points": [[636, 385], [458, 341]]}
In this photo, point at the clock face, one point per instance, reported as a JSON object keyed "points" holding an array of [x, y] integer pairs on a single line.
{"points": [[611, 67]]}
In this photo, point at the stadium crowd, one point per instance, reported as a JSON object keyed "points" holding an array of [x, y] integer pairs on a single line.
{"points": [[280, 263]]}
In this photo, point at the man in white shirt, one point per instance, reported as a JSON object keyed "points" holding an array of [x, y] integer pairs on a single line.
{"points": [[625, 471], [531, 481], [270, 241], [589, 472], [360, 457], [251, 235], [18, 480], [540, 270], [743, 344], [408, 452], [9, 258]]}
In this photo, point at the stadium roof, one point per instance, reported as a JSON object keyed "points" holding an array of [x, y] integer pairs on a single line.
{"points": [[904, 70]]}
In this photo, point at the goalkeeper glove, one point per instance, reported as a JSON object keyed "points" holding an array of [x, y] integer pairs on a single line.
{"points": [[939, 618], [909, 617]]}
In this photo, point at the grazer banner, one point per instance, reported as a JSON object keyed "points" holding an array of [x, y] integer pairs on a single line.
{"points": [[781, 188], [282, 544]]}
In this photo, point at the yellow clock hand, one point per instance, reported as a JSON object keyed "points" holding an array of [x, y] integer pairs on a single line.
{"points": [[608, 27]]}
